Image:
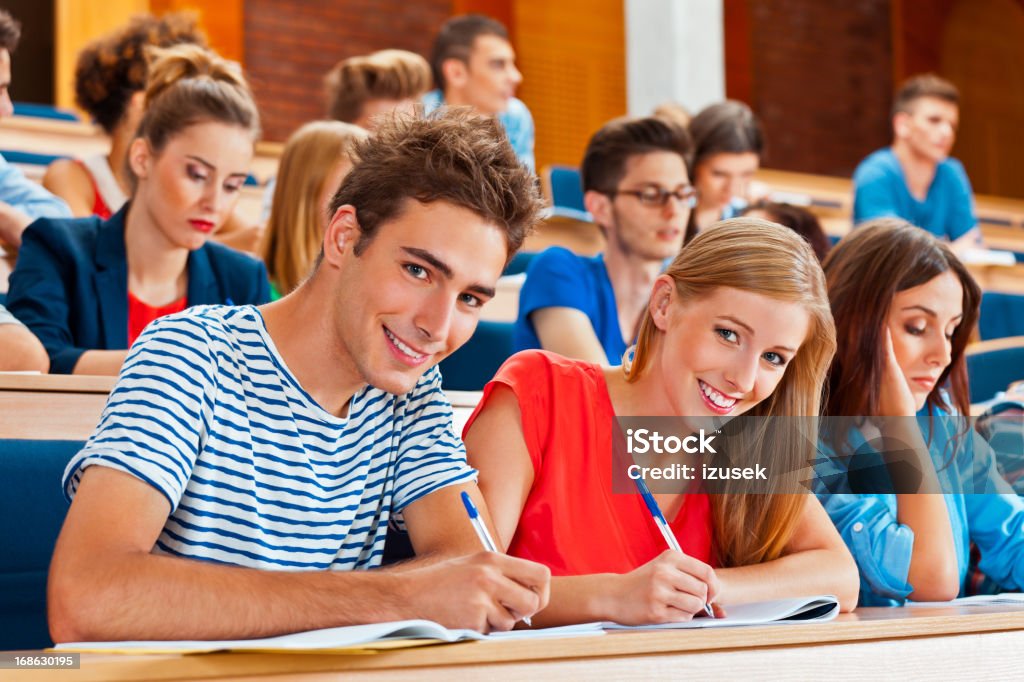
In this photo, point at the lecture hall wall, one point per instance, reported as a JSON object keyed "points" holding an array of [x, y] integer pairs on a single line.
{"points": [[820, 74]]}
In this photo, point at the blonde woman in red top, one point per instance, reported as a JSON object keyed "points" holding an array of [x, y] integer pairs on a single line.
{"points": [[738, 324]]}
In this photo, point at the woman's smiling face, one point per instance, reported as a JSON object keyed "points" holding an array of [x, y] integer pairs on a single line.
{"points": [[725, 352]]}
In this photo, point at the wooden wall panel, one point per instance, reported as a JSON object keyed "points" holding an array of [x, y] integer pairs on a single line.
{"points": [[982, 52], [78, 22], [222, 20], [573, 57], [820, 79]]}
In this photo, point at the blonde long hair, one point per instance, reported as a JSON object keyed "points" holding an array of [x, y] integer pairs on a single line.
{"points": [[763, 258], [295, 229]]}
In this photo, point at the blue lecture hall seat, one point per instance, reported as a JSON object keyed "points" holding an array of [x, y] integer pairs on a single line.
{"points": [[44, 111], [565, 187], [473, 365], [29, 158], [991, 371], [519, 263], [32, 509], [1002, 315]]}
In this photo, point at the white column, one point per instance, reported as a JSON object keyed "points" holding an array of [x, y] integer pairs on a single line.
{"points": [[675, 50]]}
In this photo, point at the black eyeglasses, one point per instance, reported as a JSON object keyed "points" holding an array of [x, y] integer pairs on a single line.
{"points": [[658, 196]]}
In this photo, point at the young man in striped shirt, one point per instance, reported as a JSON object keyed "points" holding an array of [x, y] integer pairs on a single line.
{"points": [[248, 458]]}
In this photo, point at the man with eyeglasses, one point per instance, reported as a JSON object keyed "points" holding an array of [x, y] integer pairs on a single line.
{"points": [[637, 189]]}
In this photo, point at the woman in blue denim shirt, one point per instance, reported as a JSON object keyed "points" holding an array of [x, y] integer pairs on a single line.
{"points": [[904, 308]]}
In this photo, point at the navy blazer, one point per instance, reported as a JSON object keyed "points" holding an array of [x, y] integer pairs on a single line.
{"points": [[70, 284]]}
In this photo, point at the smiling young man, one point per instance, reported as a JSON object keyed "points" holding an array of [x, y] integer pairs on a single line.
{"points": [[915, 179], [474, 65], [250, 458], [637, 189]]}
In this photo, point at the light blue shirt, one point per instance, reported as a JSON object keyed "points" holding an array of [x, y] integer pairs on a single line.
{"points": [[986, 512], [28, 197], [880, 191], [517, 121]]}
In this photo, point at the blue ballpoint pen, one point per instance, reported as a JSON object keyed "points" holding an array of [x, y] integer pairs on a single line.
{"points": [[481, 532], [662, 524]]}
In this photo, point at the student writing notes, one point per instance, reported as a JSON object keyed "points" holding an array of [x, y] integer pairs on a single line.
{"points": [[249, 459], [738, 324], [904, 307]]}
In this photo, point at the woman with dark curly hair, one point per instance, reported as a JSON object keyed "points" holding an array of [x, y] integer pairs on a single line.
{"points": [[110, 82]]}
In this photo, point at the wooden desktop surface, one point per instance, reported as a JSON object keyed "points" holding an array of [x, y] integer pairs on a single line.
{"points": [[917, 642]]}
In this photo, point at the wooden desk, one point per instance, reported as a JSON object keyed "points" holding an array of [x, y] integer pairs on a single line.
{"points": [[917, 642], [51, 406]]}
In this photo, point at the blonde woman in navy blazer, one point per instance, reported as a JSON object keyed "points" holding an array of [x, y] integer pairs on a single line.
{"points": [[85, 286]]}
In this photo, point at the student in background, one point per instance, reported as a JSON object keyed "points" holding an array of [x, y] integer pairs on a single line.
{"points": [[727, 146], [915, 179], [315, 160], [20, 350], [21, 200], [796, 218], [362, 89], [359, 89], [88, 287], [738, 324], [905, 308], [636, 186], [276, 443], [474, 65], [110, 84]]}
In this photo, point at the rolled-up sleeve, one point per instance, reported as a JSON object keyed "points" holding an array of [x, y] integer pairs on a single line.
{"points": [[879, 543]]}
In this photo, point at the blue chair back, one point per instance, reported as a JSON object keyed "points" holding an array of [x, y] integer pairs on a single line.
{"points": [[565, 186], [1002, 315], [991, 371], [473, 365], [32, 510], [519, 263], [44, 111], [29, 158]]}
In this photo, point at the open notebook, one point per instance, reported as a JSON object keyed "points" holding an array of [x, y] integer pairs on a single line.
{"points": [[977, 600], [408, 633], [398, 634], [782, 611]]}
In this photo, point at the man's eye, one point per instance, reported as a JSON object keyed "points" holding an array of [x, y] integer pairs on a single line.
{"points": [[417, 271], [471, 300]]}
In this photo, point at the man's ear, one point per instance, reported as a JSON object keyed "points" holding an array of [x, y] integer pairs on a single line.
{"points": [[599, 206], [900, 124], [140, 157], [662, 295], [341, 234], [456, 73]]}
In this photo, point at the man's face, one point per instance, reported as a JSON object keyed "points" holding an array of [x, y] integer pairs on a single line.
{"points": [[488, 80], [414, 294], [929, 129], [644, 231], [6, 108]]}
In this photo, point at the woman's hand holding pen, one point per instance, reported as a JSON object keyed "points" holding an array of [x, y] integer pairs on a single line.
{"points": [[670, 588]]}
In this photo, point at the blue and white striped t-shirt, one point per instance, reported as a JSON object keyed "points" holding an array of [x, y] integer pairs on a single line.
{"points": [[256, 473]]}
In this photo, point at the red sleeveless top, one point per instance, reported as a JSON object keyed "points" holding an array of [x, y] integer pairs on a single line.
{"points": [[572, 521]]}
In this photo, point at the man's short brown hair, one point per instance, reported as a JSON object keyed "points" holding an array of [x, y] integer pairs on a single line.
{"points": [[455, 41], [10, 31], [387, 74], [452, 155], [925, 85], [604, 162]]}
